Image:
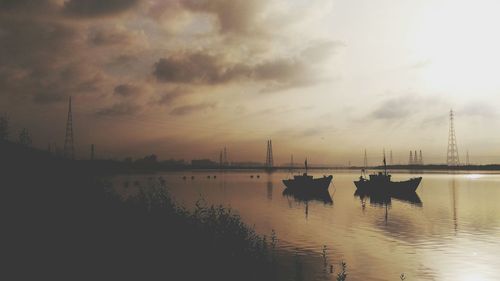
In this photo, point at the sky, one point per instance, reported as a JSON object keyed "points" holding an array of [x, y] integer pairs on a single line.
{"points": [[323, 79]]}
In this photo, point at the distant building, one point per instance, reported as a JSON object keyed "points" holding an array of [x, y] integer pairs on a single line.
{"points": [[204, 163], [247, 164]]}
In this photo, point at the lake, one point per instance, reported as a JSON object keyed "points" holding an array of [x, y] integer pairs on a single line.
{"points": [[450, 231]]}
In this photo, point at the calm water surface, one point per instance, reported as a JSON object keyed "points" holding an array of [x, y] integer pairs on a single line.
{"points": [[450, 231]]}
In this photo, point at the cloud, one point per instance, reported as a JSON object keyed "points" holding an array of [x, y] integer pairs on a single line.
{"points": [[127, 90], [25, 7], [42, 60], [109, 36], [119, 109], [168, 97], [206, 69], [236, 16], [396, 108], [47, 56], [189, 109], [320, 131], [402, 106], [318, 51], [96, 8], [199, 68], [478, 109]]}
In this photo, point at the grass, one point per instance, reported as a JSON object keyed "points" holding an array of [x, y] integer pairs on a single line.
{"points": [[210, 242]]}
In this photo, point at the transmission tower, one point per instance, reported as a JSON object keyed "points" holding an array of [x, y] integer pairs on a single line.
{"points": [[365, 161], [415, 158], [410, 161], [269, 156], [69, 149], [452, 154], [421, 159], [467, 162], [225, 163], [92, 151]]}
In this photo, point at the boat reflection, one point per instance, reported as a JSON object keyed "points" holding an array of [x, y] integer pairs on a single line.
{"points": [[306, 196], [382, 199]]}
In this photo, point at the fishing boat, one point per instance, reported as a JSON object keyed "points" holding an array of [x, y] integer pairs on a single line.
{"points": [[307, 183], [381, 183]]}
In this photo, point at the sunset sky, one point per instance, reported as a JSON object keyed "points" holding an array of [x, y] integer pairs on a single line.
{"points": [[323, 79]]}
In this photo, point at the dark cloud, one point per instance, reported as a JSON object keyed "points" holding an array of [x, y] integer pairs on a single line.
{"points": [[27, 6], [188, 109], [26, 41], [96, 8], [127, 90], [40, 59], [197, 68], [118, 109], [109, 36], [274, 74], [192, 68]]}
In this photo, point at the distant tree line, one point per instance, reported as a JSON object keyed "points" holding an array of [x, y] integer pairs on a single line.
{"points": [[24, 136]]}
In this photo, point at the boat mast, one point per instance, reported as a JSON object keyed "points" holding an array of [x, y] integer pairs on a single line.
{"points": [[385, 165]]}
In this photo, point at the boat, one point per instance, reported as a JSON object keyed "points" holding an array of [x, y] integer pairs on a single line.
{"points": [[307, 183], [381, 183]]}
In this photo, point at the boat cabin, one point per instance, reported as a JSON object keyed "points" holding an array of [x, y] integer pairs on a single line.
{"points": [[380, 177]]}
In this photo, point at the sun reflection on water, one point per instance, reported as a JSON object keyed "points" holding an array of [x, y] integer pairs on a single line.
{"points": [[474, 176]]}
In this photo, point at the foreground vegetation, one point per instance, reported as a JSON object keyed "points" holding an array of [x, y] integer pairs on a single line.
{"points": [[65, 222]]}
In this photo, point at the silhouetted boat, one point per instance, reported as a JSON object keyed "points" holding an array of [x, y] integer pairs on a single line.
{"points": [[382, 183], [308, 183]]}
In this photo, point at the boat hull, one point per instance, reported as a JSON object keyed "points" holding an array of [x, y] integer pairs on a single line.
{"points": [[389, 187], [309, 184]]}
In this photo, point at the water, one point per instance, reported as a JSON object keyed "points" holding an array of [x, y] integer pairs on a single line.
{"points": [[450, 232]]}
